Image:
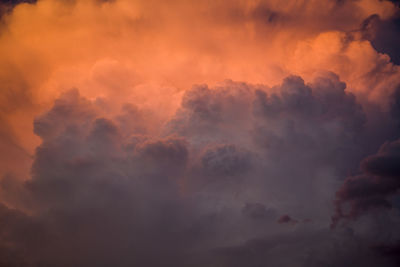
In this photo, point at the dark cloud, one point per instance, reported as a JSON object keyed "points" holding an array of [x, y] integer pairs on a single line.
{"points": [[264, 14], [385, 164], [225, 161], [286, 219], [372, 189], [395, 105], [257, 211], [206, 191], [390, 250], [321, 119], [97, 201], [383, 34], [16, 2], [305, 249], [208, 111], [6, 6], [324, 99]]}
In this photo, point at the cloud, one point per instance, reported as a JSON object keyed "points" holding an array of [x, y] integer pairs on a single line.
{"points": [[104, 190], [383, 34], [373, 188], [138, 50], [195, 128], [257, 211], [286, 219]]}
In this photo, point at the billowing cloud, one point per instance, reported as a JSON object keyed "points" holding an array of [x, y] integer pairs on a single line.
{"points": [[103, 192], [373, 188], [222, 133]]}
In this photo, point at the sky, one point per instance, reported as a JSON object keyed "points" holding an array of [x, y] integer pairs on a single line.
{"points": [[199, 133]]}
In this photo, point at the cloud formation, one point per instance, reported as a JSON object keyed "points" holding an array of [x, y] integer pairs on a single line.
{"points": [[222, 133], [201, 192], [374, 187]]}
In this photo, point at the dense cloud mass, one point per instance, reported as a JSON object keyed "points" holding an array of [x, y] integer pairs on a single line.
{"points": [[377, 183], [204, 133], [222, 178]]}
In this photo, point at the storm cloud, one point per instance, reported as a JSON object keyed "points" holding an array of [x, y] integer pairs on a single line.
{"points": [[225, 133], [225, 171]]}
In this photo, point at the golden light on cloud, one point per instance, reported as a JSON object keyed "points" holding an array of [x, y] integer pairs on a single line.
{"points": [[201, 92]]}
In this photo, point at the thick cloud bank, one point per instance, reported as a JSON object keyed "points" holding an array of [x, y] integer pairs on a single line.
{"points": [[241, 175], [199, 133]]}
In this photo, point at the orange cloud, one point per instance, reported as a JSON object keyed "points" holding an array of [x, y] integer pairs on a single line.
{"points": [[149, 52]]}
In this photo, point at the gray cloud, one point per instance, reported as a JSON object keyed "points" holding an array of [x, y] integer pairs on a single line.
{"points": [[209, 190], [373, 188]]}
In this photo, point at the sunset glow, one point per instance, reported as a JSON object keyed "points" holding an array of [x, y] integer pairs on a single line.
{"points": [[199, 133]]}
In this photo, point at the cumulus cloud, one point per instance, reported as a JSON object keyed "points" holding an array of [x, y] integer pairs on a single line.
{"points": [[103, 191], [200, 133], [141, 49]]}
